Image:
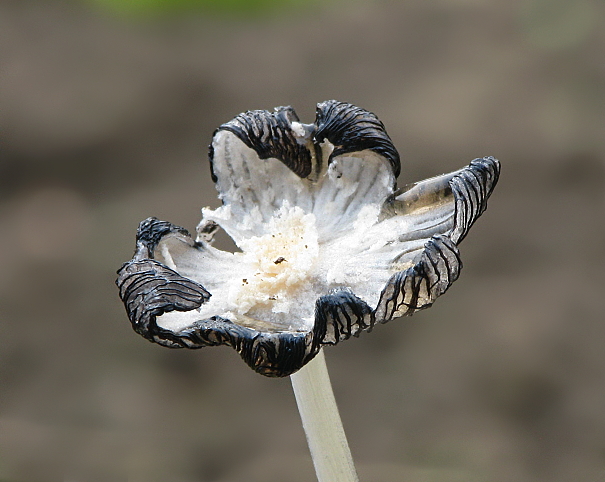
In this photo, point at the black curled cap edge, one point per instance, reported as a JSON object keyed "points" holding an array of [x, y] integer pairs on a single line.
{"points": [[151, 231], [349, 128], [472, 187], [270, 135], [352, 129], [439, 265], [149, 289]]}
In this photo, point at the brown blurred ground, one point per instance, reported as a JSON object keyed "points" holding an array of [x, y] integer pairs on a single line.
{"points": [[106, 122]]}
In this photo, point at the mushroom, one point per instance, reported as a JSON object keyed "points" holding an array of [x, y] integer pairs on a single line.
{"points": [[330, 246]]}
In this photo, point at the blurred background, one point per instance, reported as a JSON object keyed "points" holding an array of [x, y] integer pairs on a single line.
{"points": [[106, 111]]}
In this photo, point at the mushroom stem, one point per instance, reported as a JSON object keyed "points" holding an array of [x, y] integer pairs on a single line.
{"points": [[320, 418]]}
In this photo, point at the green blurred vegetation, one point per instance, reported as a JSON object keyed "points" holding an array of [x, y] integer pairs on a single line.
{"points": [[162, 7]]}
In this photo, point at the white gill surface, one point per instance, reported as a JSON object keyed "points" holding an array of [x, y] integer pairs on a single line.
{"points": [[254, 189], [299, 240], [274, 283]]}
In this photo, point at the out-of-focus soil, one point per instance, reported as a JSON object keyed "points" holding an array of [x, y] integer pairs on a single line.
{"points": [[105, 122]]}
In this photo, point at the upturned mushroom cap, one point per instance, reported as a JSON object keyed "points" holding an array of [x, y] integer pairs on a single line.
{"points": [[329, 246]]}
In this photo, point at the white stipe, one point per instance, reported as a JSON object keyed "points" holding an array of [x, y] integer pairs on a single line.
{"points": [[320, 418]]}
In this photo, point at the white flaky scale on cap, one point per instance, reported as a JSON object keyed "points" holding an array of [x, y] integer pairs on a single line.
{"points": [[277, 263]]}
